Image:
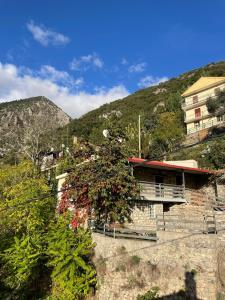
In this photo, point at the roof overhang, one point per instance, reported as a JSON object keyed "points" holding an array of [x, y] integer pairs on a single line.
{"points": [[207, 82], [164, 166]]}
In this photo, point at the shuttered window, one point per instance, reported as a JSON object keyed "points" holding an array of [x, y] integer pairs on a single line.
{"points": [[195, 99], [197, 112]]}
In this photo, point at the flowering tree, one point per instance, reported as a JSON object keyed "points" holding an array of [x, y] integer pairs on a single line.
{"points": [[101, 182]]}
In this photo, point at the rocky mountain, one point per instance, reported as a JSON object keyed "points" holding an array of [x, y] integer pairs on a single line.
{"points": [[24, 124]]}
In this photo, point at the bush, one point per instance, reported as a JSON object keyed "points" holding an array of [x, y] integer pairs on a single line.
{"points": [[133, 281], [150, 295], [121, 268], [121, 250], [135, 260], [101, 265]]}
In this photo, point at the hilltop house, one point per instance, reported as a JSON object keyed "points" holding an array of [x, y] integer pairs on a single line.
{"points": [[197, 117], [176, 188]]}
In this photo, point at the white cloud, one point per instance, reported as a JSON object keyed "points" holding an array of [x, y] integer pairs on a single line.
{"points": [[46, 36], [124, 61], [17, 84], [79, 81], [86, 62], [151, 80], [137, 68], [61, 77]]}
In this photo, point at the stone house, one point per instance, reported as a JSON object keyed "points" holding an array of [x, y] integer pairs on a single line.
{"points": [[197, 118], [177, 189]]}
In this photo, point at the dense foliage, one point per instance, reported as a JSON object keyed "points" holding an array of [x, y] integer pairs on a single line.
{"points": [[102, 183], [150, 103], [39, 253], [209, 155], [216, 105]]}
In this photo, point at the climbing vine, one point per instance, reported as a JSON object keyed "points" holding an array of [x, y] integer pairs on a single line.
{"points": [[102, 183]]}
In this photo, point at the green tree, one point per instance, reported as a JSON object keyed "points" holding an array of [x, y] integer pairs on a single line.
{"points": [[103, 183], [26, 208], [216, 106], [166, 136], [35, 242], [215, 154], [73, 275]]}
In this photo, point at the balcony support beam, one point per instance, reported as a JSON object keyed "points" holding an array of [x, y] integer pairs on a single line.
{"points": [[183, 180]]}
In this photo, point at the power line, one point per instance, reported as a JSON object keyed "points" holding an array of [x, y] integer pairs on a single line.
{"points": [[45, 196], [161, 243]]}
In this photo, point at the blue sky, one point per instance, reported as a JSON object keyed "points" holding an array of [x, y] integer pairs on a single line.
{"points": [[84, 53]]}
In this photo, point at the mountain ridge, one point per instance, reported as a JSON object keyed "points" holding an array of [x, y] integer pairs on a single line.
{"points": [[26, 122]]}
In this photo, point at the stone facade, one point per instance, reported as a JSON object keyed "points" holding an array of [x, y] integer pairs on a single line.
{"points": [[178, 261], [144, 215]]}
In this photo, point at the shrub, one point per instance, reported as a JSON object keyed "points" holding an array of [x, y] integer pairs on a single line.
{"points": [[135, 260], [193, 272], [150, 295], [121, 250], [101, 265], [133, 281], [121, 268]]}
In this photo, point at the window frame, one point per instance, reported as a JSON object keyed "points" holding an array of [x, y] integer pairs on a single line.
{"points": [[151, 210], [198, 115]]}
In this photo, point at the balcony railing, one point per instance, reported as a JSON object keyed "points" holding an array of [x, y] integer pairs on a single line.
{"points": [[197, 117], [210, 123], [201, 100], [162, 192], [177, 193]]}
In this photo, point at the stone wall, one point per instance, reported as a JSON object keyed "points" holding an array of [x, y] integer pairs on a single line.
{"points": [[177, 261], [144, 215]]}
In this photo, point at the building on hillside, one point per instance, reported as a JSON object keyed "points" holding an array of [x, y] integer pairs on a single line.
{"points": [[177, 189], [197, 117]]}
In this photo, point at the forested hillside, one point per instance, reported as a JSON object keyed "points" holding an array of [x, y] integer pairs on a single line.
{"points": [[32, 125], [163, 129]]}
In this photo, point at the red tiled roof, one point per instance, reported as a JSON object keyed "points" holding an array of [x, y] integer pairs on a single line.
{"points": [[163, 165]]}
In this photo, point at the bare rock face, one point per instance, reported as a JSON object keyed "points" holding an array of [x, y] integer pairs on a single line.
{"points": [[28, 117]]}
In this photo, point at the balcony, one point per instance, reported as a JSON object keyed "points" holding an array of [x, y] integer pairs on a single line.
{"points": [[210, 123], [162, 192], [201, 100], [193, 118]]}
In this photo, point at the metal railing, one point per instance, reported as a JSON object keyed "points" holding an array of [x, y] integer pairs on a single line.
{"points": [[125, 232], [211, 123], [193, 117], [196, 197], [201, 100], [154, 190]]}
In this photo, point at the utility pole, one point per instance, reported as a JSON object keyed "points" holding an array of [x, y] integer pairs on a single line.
{"points": [[139, 135]]}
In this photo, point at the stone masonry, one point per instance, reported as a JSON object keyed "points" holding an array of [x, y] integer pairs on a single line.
{"points": [[164, 264]]}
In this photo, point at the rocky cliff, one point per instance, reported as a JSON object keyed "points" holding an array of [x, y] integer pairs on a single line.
{"points": [[24, 123]]}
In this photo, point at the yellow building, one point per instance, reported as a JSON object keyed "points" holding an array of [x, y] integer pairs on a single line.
{"points": [[197, 116]]}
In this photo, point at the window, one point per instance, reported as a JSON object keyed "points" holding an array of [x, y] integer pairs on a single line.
{"points": [[220, 118], [195, 99], [217, 91], [197, 124], [197, 112], [151, 208]]}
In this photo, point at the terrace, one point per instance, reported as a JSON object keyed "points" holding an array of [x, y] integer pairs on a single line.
{"points": [[162, 192]]}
